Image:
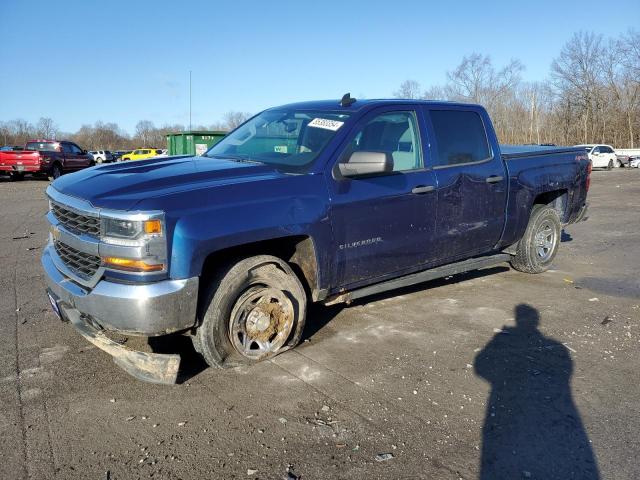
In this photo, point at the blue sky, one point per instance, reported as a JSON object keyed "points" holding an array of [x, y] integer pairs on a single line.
{"points": [[124, 61]]}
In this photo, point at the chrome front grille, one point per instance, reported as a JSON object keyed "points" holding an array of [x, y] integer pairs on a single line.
{"points": [[76, 222], [82, 264]]}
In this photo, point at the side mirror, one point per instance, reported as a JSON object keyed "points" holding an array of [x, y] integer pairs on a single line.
{"points": [[366, 163], [84, 152]]}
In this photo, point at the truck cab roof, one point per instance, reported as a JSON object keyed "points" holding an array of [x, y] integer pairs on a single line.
{"points": [[335, 105]]}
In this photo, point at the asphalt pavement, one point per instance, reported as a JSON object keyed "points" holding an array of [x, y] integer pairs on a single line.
{"points": [[493, 374]]}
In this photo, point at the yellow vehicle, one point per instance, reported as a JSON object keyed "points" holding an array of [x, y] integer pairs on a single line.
{"points": [[141, 153]]}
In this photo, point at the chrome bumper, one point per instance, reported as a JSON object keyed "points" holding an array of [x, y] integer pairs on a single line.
{"points": [[149, 309]]}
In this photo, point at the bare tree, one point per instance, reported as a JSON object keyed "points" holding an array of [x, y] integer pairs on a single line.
{"points": [[234, 119], [576, 76], [46, 128], [144, 129], [408, 89], [476, 80]]}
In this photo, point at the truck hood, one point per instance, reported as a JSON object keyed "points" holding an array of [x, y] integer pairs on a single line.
{"points": [[123, 185]]}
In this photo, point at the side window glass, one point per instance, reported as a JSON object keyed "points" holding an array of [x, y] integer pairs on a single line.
{"points": [[460, 137], [596, 150], [66, 148], [76, 149], [395, 133]]}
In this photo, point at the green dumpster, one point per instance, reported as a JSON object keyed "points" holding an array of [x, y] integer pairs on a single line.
{"points": [[193, 142]]}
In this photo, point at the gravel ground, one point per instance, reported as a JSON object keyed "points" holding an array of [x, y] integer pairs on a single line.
{"points": [[494, 374]]}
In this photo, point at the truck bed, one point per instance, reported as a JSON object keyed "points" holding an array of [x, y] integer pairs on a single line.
{"points": [[518, 151]]}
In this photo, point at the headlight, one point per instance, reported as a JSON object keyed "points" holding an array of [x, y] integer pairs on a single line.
{"points": [[133, 242], [129, 231]]}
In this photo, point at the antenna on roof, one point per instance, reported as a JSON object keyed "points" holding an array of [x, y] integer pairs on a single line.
{"points": [[347, 101]]}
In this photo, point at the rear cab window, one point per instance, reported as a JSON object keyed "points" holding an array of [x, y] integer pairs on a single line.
{"points": [[43, 146], [460, 138]]}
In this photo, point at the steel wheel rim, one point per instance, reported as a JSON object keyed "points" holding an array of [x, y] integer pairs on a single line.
{"points": [[261, 322], [545, 240]]}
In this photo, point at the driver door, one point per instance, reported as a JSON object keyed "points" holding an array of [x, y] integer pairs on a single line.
{"points": [[384, 224]]}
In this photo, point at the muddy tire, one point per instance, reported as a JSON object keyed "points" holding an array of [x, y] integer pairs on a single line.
{"points": [[252, 309], [538, 247], [56, 171]]}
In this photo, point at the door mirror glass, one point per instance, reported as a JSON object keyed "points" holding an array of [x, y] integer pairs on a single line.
{"points": [[366, 163]]}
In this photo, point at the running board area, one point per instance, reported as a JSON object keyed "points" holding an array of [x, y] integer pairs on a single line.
{"points": [[419, 277]]}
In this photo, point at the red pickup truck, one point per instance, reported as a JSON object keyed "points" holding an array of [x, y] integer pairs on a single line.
{"points": [[44, 157]]}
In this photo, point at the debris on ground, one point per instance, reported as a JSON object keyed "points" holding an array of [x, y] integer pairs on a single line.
{"points": [[383, 457], [606, 320], [594, 299], [289, 475], [251, 471], [325, 408]]}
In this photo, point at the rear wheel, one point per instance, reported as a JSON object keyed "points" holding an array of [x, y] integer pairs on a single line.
{"points": [[539, 245], [253, 309], [56, 171]]}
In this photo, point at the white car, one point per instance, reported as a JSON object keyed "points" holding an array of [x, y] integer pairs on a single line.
{"points": [[602, 156], [634, 162], [102, 156]]}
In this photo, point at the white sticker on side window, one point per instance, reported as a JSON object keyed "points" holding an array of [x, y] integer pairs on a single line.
{"points": [[325, 123]]}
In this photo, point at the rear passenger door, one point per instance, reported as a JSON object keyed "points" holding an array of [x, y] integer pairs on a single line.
{"points": [[472, 181]]}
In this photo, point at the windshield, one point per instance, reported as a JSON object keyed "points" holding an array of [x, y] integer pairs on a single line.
{"points": [[288, 139]]}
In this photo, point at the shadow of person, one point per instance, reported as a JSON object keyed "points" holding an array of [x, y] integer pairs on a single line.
{"points": [[532, 428]]}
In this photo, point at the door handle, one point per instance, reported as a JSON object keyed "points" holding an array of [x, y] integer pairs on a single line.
{"points": [[494, 179], [422, 189]]}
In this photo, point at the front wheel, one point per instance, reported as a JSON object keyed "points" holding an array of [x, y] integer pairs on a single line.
{"points": [[253, 309], [610, 165], [539, 244]]}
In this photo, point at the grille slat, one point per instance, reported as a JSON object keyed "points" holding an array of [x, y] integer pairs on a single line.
{"points": [[75, 222], [82, 264]]}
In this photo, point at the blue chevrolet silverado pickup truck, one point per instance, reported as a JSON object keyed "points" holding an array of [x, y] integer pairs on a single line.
{"points": [[325, 201]]}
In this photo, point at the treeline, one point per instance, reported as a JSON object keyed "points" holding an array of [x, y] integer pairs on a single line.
{"points": [[592, 94], [106, 136]]}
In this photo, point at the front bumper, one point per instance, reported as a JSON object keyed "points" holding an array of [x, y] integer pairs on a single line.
{"points": [[149, 309], [149, 367]]}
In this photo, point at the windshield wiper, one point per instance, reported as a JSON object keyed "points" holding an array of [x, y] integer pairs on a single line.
{"points": [[234, 158]]}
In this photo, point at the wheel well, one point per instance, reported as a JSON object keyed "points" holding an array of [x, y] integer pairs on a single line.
{"points": [[557, 199], [298, 251]]}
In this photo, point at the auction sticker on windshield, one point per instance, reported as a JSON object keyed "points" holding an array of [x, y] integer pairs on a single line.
{"points": [[325, 123]]}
